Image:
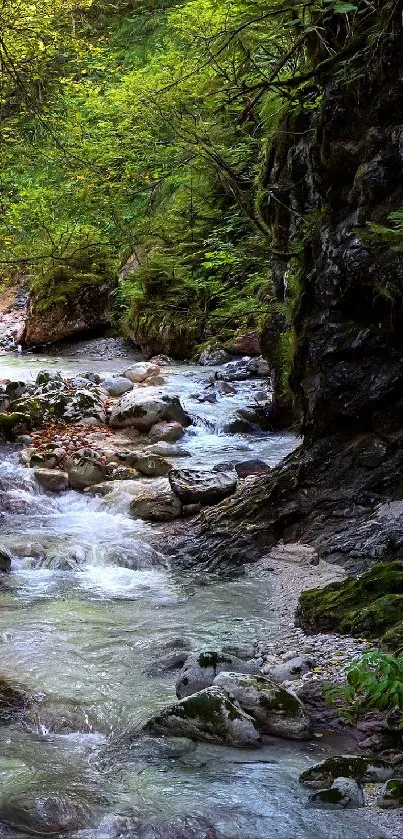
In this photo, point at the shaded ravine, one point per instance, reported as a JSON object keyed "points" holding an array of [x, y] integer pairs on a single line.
{"points": [[87, 609]]}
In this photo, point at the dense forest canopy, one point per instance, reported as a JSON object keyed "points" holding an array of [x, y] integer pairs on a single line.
{"points": [[138, 128]]}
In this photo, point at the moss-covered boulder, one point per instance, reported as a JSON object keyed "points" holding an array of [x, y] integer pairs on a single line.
{"points": [[275, 710], [371, 605], [14, 423], [40, 409], [391, 794], [51, 402], [71, 298], [393, 638], [365, 770], [210, 716]]}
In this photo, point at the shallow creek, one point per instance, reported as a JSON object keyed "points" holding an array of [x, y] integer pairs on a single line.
{"points": [[87, 609]]}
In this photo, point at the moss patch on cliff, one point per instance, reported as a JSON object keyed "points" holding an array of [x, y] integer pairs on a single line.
{"points": [[371, 605], [60, 283]]}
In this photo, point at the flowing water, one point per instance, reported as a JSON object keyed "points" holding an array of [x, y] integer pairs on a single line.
{"points": [[86, 612]]}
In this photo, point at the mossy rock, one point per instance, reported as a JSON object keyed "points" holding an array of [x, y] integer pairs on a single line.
{"points": [[209, 716], [71, 298], [275, 710], [391, 794], [359, 767], [212, 659], [374, 619], [345, 793], [331, 796], [14, 423], [393, 638], [200, 670], [60, 283], [371, 605]]}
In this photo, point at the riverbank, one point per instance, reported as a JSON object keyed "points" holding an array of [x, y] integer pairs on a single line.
{"points": [[324, 660]]}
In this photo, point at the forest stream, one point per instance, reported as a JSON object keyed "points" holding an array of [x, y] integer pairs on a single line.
{"points": [[89, 606]]}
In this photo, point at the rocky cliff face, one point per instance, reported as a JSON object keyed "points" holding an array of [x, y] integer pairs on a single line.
{"points": [[335, 174], [332, 174]]}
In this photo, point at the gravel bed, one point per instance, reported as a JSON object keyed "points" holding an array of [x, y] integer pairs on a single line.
{"points": [[292, 569]]}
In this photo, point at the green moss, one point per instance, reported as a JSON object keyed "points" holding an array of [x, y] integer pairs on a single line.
{"points": [[213, 344], [392, 794], [331, 796], [62, 283], [9, 423], [207, 706], [360, 768], [393, 638], [376, 618], [280, 700], [41, 408], [370, 605]]}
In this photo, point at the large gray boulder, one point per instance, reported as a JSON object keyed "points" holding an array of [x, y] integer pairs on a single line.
{"points": [[210, 716], [52, 479], [85, 471], [212, 356], [141, 371], [344, 794], [194, 487], [156, 504], [142, 408], [365, 770], [152, 465], [275, 710], [169, 432], [116, 385], [200, 670]]}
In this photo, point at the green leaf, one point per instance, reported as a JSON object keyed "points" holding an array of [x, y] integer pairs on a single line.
{"points": [[344, 8]]}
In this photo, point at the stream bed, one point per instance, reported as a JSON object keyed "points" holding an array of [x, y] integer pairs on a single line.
{"points": [[88, 609]]}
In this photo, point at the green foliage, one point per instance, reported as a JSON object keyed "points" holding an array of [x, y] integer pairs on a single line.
{"points": [[139, 126], [377, 681], [374, 682]]}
